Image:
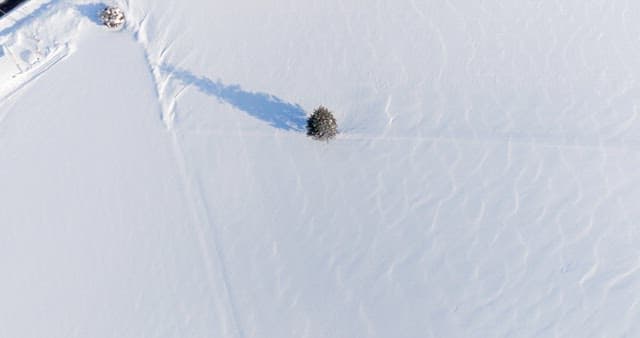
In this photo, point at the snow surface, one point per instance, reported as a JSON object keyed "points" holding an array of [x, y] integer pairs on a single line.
{"points": [[157, 182]]}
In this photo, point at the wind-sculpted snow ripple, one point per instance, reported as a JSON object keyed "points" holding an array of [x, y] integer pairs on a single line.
{"points": [[464, 228], [483, 184]]}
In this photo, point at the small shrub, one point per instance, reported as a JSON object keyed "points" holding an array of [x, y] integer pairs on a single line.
{"points": [[321, 125], [112, 17]]}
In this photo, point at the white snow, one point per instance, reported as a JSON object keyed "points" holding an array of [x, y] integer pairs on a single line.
{"points": [[8, 68], [157, 181]]}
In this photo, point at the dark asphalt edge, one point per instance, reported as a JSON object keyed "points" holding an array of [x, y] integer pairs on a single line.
{"points": [[10, 5]]}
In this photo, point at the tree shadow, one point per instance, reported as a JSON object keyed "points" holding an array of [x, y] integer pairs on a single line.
{"points": [[92, 11], [271, 109]]}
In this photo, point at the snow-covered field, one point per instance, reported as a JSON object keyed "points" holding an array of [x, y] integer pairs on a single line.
{"points": [[157, 181]]}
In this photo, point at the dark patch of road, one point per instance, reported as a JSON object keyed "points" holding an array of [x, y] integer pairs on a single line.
{"points": [[8, 5]]}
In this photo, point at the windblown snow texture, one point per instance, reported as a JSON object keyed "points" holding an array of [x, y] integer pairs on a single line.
{"points": [[157, 181]]}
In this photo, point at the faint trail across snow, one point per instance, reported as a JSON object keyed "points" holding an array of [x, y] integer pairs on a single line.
{"points": [[273, 110], [204, 229]]}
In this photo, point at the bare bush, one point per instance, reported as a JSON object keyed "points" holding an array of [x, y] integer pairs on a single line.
{"points": [[112, 17]]}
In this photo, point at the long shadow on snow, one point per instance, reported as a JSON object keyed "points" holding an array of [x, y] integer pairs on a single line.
{"points": [[91, 11], [266, 107]]}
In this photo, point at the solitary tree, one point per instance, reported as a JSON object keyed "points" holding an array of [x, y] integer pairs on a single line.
{"points": [[112, 17], [321, 125]]}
